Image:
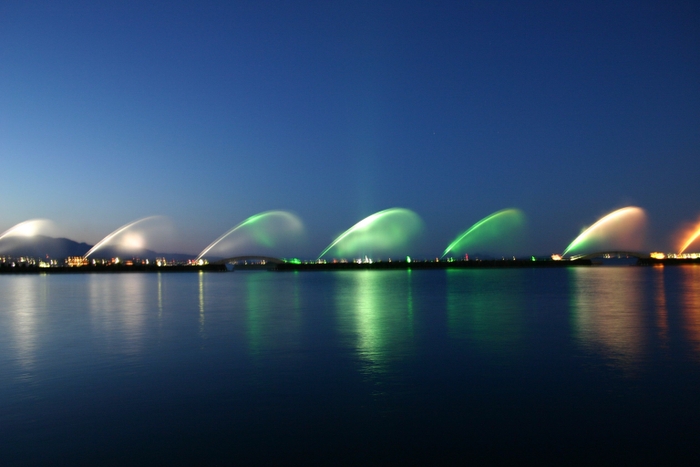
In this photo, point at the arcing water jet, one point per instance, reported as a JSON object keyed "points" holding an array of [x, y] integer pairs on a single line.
{"points": [[111, 236], [615, 230], [381, 232], [694, 234], [493, 225], [256, 223], [26, 229]]}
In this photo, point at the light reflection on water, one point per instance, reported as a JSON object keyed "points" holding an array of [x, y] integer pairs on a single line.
{"points": [[160, 295], [347, 358], [375, 314], [273, 317], [691, 306], [118, 305], [25, 301], [485, 308], [607, 312], [612, 309], [200, 284], [660, 303]]}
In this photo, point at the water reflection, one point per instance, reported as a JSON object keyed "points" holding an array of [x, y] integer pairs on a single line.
{"points": [[607, 312], [661, 308], [273, 317], [201, 303], [160, 295], [375, 311], [118, 304], [25, 299], [484, 307], [691, 305]]}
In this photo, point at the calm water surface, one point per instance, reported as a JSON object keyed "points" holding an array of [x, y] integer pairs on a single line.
{"points": [[599, 365]]}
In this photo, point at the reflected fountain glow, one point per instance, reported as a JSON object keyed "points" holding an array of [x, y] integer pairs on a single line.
{"points": [[383, 232], [118, 309], [201, 304], [160, 295], [25, 298], [661, 307], [491, 227], [272, 323], [479, 312], [607, 312], [379, 324], [691, 306], [618, 230]]}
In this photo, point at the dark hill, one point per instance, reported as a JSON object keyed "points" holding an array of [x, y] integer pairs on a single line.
{"points": [[40, 246]]}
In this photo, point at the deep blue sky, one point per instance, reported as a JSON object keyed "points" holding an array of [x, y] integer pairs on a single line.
{"points": [[209, 112]]}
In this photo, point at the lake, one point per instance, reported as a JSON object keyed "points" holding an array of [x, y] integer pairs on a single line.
{"points": [[587, 364]]}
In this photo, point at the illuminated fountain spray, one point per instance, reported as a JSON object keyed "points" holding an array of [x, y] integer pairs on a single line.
{"points": [[621, 229], [135, 241], [690, 237], [264, 228], [381, 232], [489, 228], [28, 228]]}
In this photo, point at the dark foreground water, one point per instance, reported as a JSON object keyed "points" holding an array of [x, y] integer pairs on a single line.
{"points": [[598, 365]]}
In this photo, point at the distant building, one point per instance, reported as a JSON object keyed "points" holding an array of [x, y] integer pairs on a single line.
{"points": [[76, 261]]}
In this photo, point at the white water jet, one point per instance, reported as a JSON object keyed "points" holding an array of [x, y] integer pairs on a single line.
{"points": [[134, 241]]}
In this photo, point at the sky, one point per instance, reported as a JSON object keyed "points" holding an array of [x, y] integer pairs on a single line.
{"points": [[207, 113]]}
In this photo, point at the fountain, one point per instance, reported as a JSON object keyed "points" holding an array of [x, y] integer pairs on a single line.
{"points": [[491, 227], [619, 230], [690, 235], [130, 239], [381, 233], [262, 230], [28, 228]]}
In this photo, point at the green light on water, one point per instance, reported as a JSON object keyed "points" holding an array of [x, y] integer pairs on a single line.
{"points": [[488, 228], [480, 314], [293, 261], [262, 318], [380, 325]]}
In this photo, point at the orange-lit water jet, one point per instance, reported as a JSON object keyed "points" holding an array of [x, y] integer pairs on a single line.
{"points": [[694, 234]]}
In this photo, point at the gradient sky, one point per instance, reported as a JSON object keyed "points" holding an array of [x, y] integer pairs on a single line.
{"points": [[210, 112]]}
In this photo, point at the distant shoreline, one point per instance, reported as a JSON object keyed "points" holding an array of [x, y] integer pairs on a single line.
{"points": [[427, 265], [110, 269], [293, 267], [349, 266]]}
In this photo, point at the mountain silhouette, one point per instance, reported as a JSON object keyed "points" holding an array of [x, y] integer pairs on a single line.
{"points": [[40, 246]]}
